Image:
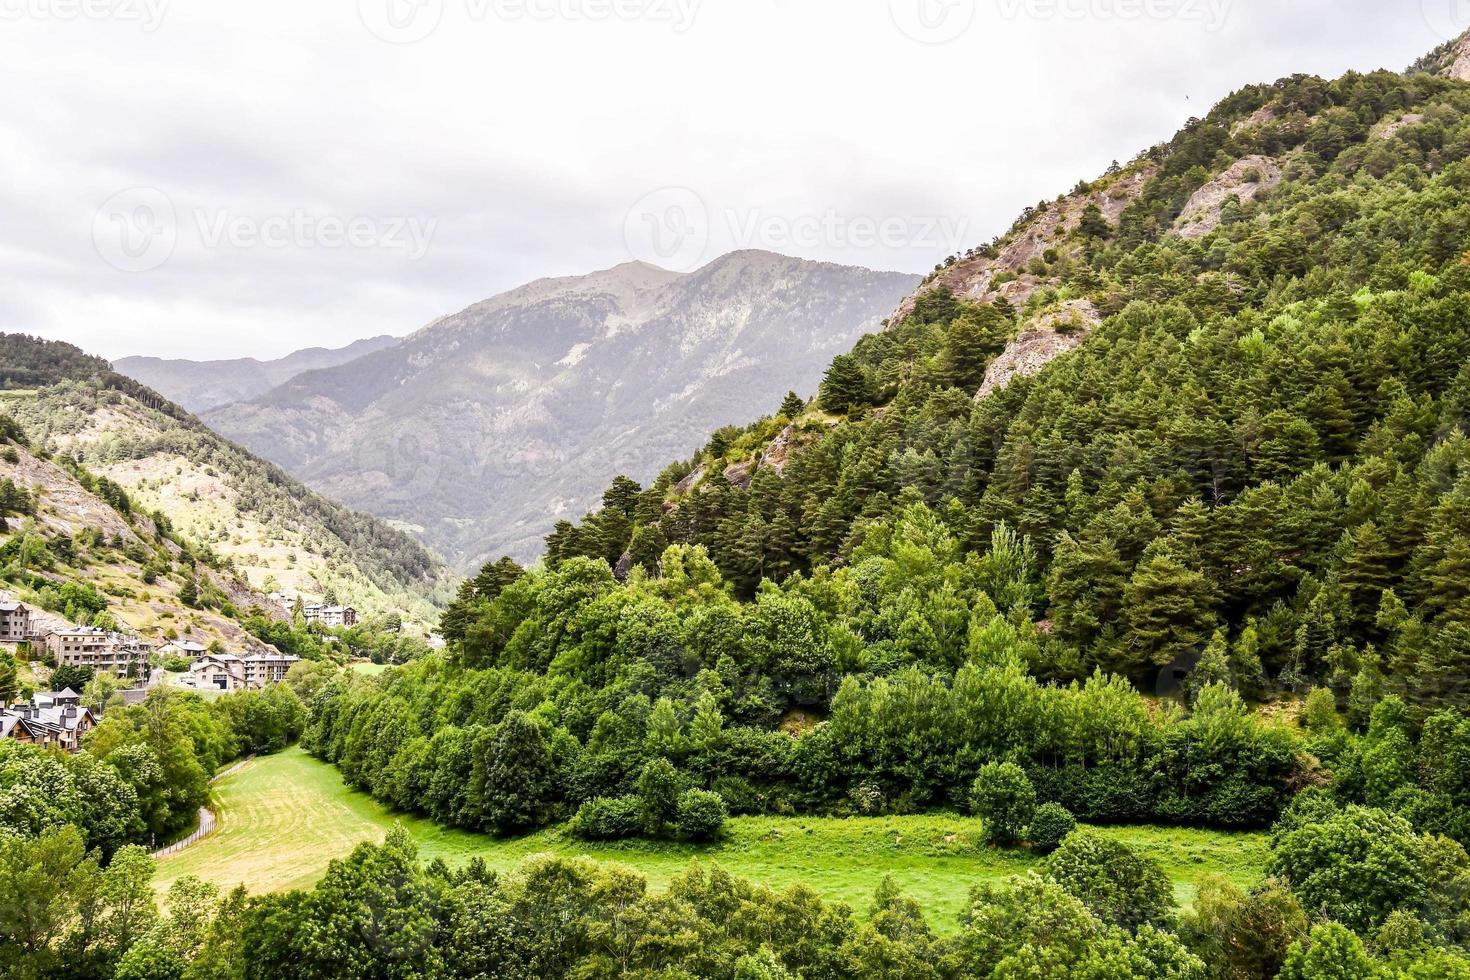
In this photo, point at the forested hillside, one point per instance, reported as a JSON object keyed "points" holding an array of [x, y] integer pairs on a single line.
{"points": [[275, 532], [1157, 508]]}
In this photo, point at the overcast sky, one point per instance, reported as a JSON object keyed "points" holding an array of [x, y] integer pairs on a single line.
{"points": [[217, 179]]}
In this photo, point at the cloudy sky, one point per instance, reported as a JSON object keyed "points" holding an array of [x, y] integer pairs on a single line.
{"points": [[199, 178]]}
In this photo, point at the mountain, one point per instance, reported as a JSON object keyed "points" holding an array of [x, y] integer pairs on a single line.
{"points": [[1222, 393], [480, 430], [264, 527], [202, 385], [1155, 509], [89, 552]]}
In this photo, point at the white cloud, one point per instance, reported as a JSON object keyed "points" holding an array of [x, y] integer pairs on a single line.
{"points": [[522, 131]]}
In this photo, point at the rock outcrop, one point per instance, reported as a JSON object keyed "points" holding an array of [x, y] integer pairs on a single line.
{"points": [[1245, 179], [1041, 341], [975, 278]]}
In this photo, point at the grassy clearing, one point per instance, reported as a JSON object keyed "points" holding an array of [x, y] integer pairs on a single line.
{"points": [[367, 668], [283, 817]]}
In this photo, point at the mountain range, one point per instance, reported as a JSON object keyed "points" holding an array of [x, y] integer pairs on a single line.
{"points": [[202, 385], [479, 431]]}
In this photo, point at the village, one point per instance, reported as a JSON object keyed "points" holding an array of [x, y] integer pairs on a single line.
{"points": [[59, 719]]}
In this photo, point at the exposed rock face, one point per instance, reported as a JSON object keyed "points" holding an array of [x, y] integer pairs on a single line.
{"points": [[1244, 179], [776, 453], [1389, 128], [480, 431], [1041, 341], [974, 279], [740, 474], [1457, 59], [1255, 120]]}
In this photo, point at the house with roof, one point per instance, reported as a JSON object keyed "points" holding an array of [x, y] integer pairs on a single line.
{"points": [[52, 719], [329, 616], [228, 672], [189, 649], [103, 651], [15, 621]]}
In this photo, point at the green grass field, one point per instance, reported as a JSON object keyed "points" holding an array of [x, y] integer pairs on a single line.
{"points": [[283, 817]]}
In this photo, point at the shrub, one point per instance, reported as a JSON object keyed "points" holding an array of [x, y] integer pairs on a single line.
{"points": [[1050, 826], [658, 795], [608, 818], [1357, 866], [701, 815], [1005, 799], [739, 795], [1120, 886]]}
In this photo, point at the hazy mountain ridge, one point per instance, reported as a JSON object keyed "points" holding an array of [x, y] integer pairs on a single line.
{"points": [[202, 385], [482, 428]]}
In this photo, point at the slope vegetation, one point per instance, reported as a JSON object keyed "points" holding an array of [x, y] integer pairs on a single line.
{"points": [[272, 530]]}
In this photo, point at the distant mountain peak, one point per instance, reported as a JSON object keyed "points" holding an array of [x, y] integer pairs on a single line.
{"points": [[484, 425]]}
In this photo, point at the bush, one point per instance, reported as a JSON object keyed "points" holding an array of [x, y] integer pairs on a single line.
{"points": [[1120, 886], [701, 815], [1050, 826], [608, 818], [1005, 799], [658, 795], [739, 796]]}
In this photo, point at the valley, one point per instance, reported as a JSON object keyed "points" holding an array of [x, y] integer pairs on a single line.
{"points": [[1094, 605]]}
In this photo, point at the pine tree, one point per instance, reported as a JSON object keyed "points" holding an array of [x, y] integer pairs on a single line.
{"points": [[845, 385], [972, 340], [1092, 223], [792, 405], [1168, 611]]}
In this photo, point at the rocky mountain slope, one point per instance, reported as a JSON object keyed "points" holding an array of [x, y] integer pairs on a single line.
{"points": [[202, 385], [268, 530], [72, 554], [482, 429]]}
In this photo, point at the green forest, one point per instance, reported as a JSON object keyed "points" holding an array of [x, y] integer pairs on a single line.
{"points": [[1211, 569]]}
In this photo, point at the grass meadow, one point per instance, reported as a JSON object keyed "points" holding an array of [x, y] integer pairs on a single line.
{"points": [[283, 817]]}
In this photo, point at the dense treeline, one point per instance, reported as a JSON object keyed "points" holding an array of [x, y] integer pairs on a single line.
{"points": [[1095, 909], [1263, 439], [920, 675]]}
